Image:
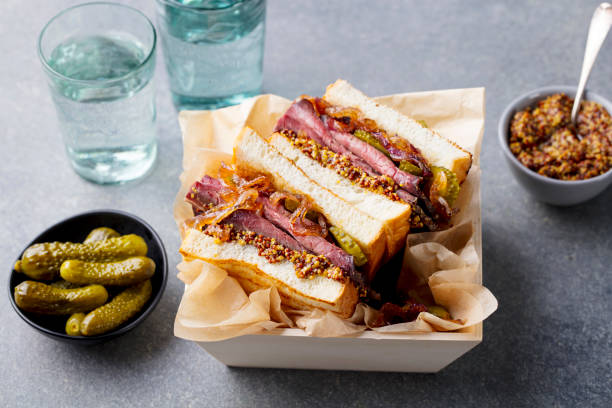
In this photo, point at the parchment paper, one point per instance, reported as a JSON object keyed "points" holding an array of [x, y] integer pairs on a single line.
{"points": [[446, 265]]}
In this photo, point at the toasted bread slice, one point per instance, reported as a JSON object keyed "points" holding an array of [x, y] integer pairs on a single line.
{"points": [[254, 272], [252, 153], [436, 149], [395, 215]]}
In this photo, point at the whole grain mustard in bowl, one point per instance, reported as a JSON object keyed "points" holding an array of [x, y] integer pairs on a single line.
{"points": [[556, 162]]}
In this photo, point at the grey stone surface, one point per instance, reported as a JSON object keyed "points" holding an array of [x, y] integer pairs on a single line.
{"points": [[550, 342]]}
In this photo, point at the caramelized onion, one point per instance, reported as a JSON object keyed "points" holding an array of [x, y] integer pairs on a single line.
{"points": [[299, 224], [221, 232], [346, 119], [319, 104], [247, 200], [227, 173], [302, 226], [259, 183], [277, 196], [323, 224], [241, 194]]}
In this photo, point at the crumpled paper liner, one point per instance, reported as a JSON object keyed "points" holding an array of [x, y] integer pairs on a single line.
{"points": [[445, 265]]}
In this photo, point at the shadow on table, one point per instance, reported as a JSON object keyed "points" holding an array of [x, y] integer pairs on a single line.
{"points": [[136, 347], [594, 213], [476, 370], [527, 356]]}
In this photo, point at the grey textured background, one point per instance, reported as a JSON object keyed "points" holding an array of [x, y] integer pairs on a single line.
{"points": [[549, 344]]}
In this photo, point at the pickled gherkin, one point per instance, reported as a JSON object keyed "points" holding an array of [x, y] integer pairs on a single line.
{"points": [[62, 284], [73, 324], [37, 297], [118, 311], [410, 168], [42, 261], [446, 184], [439, 311], [118, 273], [371, 140], [100, 234], [349, 245]]}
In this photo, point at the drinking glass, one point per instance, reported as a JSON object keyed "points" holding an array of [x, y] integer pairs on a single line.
{"points": [[213, 50], [99, 59]]}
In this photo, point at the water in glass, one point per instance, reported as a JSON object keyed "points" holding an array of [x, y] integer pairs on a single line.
{"points": [[213, 50], [108, 126]]}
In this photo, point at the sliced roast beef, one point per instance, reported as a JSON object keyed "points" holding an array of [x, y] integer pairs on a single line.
{"points": [[400, 150], [205, 191], [208, 190], [378, 161], [315, 243], [301, 117], [246, 220], [275, 221], [406, 196]]}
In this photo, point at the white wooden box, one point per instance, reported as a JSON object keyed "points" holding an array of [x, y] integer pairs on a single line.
{"points": [[374, 351], [291, 348]]}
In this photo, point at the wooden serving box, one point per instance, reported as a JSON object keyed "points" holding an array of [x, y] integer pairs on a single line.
{"points": [[457, 112], [292, 348]]}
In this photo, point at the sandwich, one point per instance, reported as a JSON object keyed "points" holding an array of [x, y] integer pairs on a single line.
{"points": [[268, 224], [391, 167], [315, 208]]}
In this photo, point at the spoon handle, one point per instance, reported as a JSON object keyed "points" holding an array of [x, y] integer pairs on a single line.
{"points": [[600, 25]]}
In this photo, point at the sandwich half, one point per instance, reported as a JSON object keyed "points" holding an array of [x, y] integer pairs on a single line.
{"points": [[385, 164], [435, 149], [253, 271], [268, 224]]}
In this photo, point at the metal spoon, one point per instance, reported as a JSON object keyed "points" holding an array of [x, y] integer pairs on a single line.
{"points": [[598, 30]]}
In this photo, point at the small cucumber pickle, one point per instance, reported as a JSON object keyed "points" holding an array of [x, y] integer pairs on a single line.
{"points": [[42, 261], [62, 284], [73, 325], [118, 273], [410, 168], [118, 311], [371, 140], [446, 184], [349, 245], [439, 311], [37, 297], [100, 234]]}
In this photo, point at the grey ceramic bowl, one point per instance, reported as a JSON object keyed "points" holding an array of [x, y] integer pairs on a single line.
{"points": [[548, 190]]}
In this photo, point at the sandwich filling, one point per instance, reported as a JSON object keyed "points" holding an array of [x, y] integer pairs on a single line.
{"points": [[306, 265], [282, 226], [344, 140]]}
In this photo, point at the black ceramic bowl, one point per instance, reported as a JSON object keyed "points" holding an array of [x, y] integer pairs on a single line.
{"points": [[75, 229]]}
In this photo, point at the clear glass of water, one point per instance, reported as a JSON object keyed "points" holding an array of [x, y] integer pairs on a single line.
{"points": [[213, 50], [99, 59]]}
